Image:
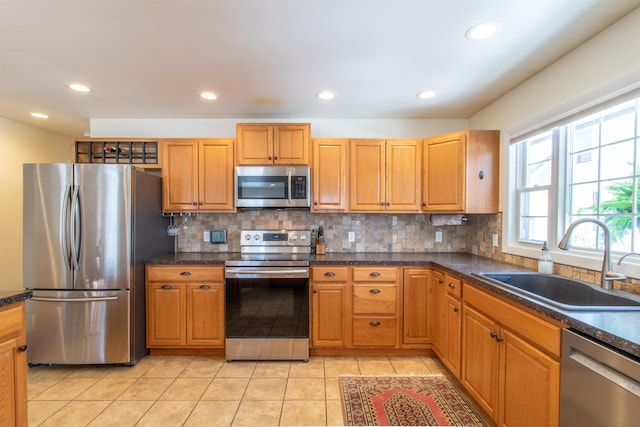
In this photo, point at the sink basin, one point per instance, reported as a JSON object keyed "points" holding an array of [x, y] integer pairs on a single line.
{"points": [[564, 293]]}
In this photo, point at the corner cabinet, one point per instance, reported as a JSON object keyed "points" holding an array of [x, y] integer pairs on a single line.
{"points": [[330, 175], [447, 291], [461, 172], [273, 144], [185, 307], [197, 175], [385, 175], [13, 365]]}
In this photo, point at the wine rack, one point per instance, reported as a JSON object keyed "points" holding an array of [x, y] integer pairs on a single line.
{"points": [[143, 153]]}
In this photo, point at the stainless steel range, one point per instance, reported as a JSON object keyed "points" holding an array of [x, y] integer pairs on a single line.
{"points": [[267, 296]]}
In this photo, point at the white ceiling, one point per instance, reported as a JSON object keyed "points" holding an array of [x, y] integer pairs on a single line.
{"points": [[267, 58]]}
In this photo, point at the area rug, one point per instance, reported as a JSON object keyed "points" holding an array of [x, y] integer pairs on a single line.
{"points": [[405, 401]]}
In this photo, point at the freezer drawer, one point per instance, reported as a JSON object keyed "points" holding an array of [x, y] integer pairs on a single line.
{"points": [[79, 327]]}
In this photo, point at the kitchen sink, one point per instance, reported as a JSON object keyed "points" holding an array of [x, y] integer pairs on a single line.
{"points": [[562, 292]]}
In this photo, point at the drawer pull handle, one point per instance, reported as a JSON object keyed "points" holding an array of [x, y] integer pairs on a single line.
{"points": [[205, 287], [22, 348], [330, 274], [167, 287], [374, 274], [374, 323], [185, 273], [374, 291], [452, 285]]}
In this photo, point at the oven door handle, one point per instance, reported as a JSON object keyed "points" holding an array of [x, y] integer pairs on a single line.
{"points": [[288, 271]]}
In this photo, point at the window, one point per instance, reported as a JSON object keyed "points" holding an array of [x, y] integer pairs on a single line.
{"points": [[589, 167]]}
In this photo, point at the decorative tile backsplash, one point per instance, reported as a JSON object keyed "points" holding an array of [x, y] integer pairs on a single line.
{"points": [[373, 233]]}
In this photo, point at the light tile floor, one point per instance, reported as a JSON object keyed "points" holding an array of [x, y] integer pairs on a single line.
{"points": [[199, 391]]}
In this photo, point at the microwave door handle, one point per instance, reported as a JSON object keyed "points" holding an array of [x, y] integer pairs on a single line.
{"points": [[289, 186]]}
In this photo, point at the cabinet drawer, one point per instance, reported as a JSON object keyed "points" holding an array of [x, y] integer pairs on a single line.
{"points": [[374, 299], [453, 286], [11, 319], [377, 274], [184, 273], [379, 332], [329, 274]]}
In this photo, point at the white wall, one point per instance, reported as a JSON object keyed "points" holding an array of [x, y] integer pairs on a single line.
{"points": [[20, 144]]}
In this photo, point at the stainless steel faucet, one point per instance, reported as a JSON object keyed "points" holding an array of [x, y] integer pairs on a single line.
{"points": [[607, 275], [626, 255]]}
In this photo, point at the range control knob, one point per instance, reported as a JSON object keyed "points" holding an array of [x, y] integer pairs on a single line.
{"points": [[247, 237], [294, 237], [303, 237], [256, 237]]}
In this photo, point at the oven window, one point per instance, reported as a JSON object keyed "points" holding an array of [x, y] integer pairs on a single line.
{"points": [[262, 187], [267, 308]]}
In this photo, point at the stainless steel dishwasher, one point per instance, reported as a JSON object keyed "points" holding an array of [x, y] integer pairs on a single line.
{"points": [[599, 386]]}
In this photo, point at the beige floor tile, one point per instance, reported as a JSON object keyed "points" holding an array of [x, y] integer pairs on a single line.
{"points": [[226, 389], [335, 416], [303, 413], [36, 385], [236, 370], [78, 413], [106, 389], [58, 372], [66, 389], [258, 413], [91, 372], [305, 389], [167, 368], [381, 366], [202, 368], [434, 365], [39, 410], [167, 413], [265, 389], [213, 413], [272, 369], [135, 371], [186, 389], [409, 366], [334, 367], [332, 388], [122, 413], [314, 368], [146, 389]]}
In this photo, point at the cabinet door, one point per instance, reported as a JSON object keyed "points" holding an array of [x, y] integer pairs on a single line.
{"points": [[205, 314], [418, 307], [330, 306], [480, 360], [179, 175], [529, 385], [255, 144], [166, 304], [330, 174], [13, 366], [439, 314], [216, 175], [291, 144], [367, 159], [403, 175], [454, 323], [444, 163]]}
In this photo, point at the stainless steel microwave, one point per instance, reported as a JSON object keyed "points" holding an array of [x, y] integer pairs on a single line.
{"points": [[272, 187]]}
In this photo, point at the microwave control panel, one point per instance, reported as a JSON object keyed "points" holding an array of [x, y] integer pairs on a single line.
{"points": [[298, 187]]}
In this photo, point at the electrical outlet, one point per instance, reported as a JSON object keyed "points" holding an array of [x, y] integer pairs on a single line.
{"points": [[438, 236], [206, 236], [494, 239], [352, 237]]}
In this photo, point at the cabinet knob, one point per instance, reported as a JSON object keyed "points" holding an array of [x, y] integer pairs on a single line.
{"points": [[185, 273], [22, 348], [200, 203], [374, 323], [499, 338], [269, 158], [493, 334], [194, 203], [424, 204], [275, 157], [481, 175], [374, 291], [374, 274], [167, 287], [205, 287], [452, 285], [315, 291], [330, 274], [456, 309]]}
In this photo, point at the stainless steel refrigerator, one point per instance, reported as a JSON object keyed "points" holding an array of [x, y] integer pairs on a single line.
{"points": [[87, 231]]}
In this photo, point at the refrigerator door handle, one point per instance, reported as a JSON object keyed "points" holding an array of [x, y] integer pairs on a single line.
{"points": [[66, 234], [89, 299], [76, 228]]}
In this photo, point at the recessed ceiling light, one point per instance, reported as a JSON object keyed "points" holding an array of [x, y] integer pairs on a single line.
{"points": [[39, 115], [427, 94], [78, 87], [326, 95], [482, 30], [208, 95]]}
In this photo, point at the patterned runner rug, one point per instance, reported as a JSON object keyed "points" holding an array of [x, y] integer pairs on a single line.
{"points": [[405, 401]]}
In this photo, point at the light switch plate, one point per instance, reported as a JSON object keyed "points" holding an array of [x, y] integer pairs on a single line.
{"points": [[438, 236]]}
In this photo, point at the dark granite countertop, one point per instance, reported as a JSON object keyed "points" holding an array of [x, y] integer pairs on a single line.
{"points": [[617, 329], [12, 297]]}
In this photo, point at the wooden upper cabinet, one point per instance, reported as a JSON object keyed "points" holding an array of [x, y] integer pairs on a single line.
{"points": [[385, 175], [461, 172], [197, 175], [273, 144], [329, 174]]}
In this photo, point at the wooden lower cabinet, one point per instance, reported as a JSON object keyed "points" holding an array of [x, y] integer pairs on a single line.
{"points": [[13, 365], [330, 302], [417, 307], [185, 307], [514, 380], [447, 320]]}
